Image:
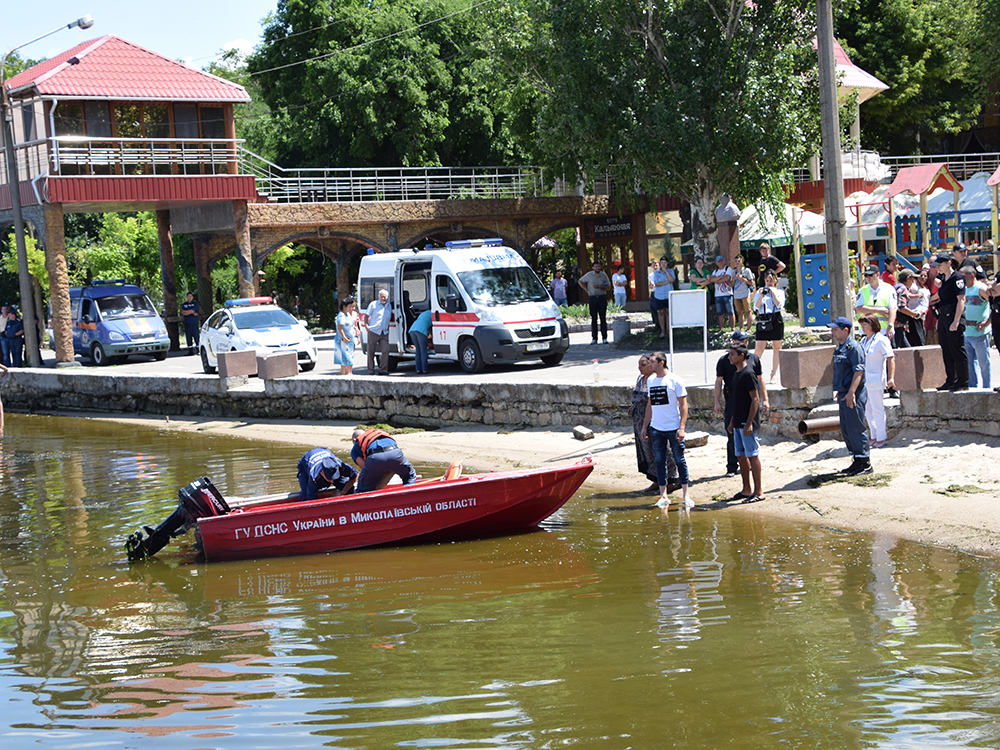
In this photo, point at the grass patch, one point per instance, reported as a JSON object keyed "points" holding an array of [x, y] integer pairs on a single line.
{"points": [[954, 490], [866, 480], [390, 429]]}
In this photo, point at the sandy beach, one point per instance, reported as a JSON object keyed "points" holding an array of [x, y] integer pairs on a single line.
{"points": [[935, 488]]}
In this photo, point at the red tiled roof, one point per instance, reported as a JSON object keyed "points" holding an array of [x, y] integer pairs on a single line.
{"points": [[113, 68]]}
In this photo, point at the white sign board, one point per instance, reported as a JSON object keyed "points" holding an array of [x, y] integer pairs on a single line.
{"points": [[688, 310]]}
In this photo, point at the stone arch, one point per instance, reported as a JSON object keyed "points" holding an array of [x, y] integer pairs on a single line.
{"points": [[479, 232]]}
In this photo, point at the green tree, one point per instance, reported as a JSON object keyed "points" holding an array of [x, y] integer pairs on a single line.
{"points": [[253, 120], [395, 83], [930, 55], [134, 238], [688, 98]]}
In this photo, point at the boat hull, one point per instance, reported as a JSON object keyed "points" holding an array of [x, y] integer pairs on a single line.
{"points": [[462, 508]]}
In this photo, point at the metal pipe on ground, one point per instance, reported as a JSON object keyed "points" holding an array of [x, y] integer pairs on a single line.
{"points": [[824, 424]]}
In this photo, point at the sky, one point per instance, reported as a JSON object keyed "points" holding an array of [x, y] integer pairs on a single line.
{"points": [[194, 31]]}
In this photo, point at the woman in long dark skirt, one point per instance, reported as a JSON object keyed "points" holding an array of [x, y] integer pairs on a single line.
{"points": [[644, 448]]}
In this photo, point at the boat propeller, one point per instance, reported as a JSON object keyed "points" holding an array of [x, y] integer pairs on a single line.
{"points": [[197, 500]]}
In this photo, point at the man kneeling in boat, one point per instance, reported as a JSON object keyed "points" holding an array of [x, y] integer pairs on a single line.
{"points": [[378, 457], [319, 469]]}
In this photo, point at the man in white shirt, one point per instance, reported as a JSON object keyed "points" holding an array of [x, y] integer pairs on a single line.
{"points": [[666, 418], [376, 320], [722, 280]]}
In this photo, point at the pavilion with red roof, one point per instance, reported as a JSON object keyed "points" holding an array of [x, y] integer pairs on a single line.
{"points": [[111, 126]]}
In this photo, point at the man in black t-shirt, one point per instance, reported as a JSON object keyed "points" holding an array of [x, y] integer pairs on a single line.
{"points": [[744, 425], [767, 263], [724, 372]]}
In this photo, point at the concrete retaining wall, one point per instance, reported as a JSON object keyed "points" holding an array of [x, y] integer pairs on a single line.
{"points": [[432, 404]]}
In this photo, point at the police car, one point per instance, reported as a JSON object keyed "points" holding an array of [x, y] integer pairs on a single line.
{"points": [[258, 324]]}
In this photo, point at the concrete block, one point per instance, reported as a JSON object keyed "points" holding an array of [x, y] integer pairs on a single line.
{"points": [[274, 366], [583, 433], [918, 368], [237, 364], [808, 367]]}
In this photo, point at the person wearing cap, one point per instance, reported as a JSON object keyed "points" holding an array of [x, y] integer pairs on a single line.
{"points": [[663, 283], [850, 392], [949, 303], [877, 299], [722, 281], [379, 458], [977, 327], [960, 253], [13, 335], [767, 263], [724, 372], [664, 424], [620, 282], [318, 469], [189, 313], [596, 284]]}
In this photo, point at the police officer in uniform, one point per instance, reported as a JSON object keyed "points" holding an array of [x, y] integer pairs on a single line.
{"points": [[851, 395], [378, 457], [189, 312], [949, 302]]}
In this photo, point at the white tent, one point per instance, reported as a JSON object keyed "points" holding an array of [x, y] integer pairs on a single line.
{"points": [[976, 196], [871, 210], [759, 225]]}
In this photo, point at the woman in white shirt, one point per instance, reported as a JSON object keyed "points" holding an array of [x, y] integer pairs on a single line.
{"points": [[768, 303], [879, 360]]}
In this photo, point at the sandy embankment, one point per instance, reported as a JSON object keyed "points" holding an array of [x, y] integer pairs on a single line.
{"points": [[908, 496]]}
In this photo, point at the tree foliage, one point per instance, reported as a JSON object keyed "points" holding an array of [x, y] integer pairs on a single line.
{"points": [[253, 120], [930, 55], [685, 97], [395, 83]]}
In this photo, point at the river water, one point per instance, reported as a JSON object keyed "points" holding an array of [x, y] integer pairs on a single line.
{"points": [[617, 626]]}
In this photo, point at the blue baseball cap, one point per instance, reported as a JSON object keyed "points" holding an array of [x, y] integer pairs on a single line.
{"points": [[719, 257], [841, 322], [741, 336]]}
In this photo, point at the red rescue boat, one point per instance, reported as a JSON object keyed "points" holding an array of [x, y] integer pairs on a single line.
{"points": [[452, 507]]}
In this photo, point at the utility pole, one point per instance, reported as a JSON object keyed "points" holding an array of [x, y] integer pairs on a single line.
{"points": [[837, 262]]}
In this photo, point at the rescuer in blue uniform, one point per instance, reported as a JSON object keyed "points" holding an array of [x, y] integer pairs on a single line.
{"points": [[319, 469], [189, 312], [377, 454], [849, 389]]}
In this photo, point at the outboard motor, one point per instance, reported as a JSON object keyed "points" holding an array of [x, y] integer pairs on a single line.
{"points": [[199, 499]]}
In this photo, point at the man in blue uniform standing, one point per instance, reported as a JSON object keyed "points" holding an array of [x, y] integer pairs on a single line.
{"points": [[189, 311], [378, 457], [318, 469], [849, 390]]}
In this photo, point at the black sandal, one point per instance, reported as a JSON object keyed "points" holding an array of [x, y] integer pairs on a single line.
{"points": [[740, 497], [752, 499]]}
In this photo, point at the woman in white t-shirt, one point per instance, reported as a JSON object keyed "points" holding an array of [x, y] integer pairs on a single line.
{"points": [[880, 371], [768, 303]]}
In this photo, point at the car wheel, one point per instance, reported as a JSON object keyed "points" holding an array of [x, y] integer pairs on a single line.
{"points": [[98, 354], [308, 366], [470, 356], [391, 364], [209, 370], [550, 360], [160, 356]]}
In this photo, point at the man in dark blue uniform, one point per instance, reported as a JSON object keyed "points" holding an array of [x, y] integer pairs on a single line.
{"points": [[189, 312], [318, 469], [849, 390], [949, 305], [378, 456]]}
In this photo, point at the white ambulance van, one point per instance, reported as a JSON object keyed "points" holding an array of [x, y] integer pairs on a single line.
{"points": [[487, 305]]}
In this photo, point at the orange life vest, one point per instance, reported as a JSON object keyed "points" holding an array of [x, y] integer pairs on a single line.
{"points": [[370, 436]]}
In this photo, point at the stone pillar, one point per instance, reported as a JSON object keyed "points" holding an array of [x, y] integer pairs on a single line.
{"points": [[241, 228], [55, 265], [729, 241], [199, 244], [169, 278]]}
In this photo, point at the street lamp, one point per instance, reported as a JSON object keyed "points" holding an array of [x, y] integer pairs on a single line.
{"points": [[24, 277]]}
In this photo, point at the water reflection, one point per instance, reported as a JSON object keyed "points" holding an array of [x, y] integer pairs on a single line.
{"points": [[610, 629]]}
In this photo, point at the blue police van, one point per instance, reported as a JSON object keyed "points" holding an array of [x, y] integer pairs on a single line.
{"points": [[112, 320]]}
